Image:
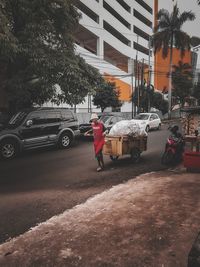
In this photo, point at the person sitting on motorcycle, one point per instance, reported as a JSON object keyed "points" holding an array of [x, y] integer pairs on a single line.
{"points": [[177, 137]]}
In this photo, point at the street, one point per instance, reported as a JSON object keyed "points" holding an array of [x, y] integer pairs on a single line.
{"points": [[40, 184]]}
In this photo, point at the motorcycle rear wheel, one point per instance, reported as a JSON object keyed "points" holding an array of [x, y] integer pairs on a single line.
{"points": [[167, 158]]}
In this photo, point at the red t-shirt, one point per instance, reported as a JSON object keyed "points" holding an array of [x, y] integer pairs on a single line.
{"points": [[98, 130]]}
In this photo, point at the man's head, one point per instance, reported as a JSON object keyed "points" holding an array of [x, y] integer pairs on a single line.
{"points": [[174, 129], [94, 117]]}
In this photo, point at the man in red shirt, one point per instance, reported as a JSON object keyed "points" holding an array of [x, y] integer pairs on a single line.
{"points": [[99, 134]]}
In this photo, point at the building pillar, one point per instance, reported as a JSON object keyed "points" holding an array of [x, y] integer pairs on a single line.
{"points": [[100, 41], [131, 65], [100, 47]]}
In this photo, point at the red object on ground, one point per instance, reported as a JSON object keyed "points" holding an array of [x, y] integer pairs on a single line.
{"points": [[191, 160]]}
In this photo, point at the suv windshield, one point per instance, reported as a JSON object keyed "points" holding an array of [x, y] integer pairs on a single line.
{"points": [[17, 119], [142, 117]]}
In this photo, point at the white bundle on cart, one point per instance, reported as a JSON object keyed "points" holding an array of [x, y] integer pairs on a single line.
{"points": [[128, 127]]}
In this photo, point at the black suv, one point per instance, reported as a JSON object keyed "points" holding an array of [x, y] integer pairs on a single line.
{"points": [[38, 127]]}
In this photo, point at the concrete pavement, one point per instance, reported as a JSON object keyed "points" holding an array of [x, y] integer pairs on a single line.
{"points": [[151, 220]]}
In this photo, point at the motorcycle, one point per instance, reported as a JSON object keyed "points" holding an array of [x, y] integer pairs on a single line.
{"points": [[173, 151]]}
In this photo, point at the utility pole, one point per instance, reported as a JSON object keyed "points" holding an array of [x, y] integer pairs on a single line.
{"points": [[142, 78], [149, 76], [142, 73], [136, 72], [132, 89], [138, 87]]}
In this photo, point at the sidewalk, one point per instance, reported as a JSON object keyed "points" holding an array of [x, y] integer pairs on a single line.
{"points": [[150, 221]]}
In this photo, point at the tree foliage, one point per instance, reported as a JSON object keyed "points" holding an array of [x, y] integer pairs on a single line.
{"points": [[168, 32], [106, 95], [77, 81], [145, 94], [37, 52], [159, 102], [195, 41], [182, 81], [148, 99]]}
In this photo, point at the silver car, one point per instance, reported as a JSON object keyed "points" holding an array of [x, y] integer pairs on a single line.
{"points": [[149, 121]]}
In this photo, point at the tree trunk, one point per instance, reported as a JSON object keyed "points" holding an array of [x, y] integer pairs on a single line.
{"points": [[170, 79]]}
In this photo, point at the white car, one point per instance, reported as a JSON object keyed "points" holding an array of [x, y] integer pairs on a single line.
{"points": [[148, 120]]}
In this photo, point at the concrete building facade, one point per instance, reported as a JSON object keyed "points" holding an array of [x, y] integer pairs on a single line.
{"points": [[110, 35]]}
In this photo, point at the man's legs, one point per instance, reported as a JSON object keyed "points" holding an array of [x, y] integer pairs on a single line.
{"points": [[100, 161]]}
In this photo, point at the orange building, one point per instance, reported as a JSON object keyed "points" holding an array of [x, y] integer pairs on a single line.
{"points": [[161, 68], [122, 87]]}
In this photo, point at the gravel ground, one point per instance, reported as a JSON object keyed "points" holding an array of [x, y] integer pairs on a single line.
{"points": [[150, 221]]}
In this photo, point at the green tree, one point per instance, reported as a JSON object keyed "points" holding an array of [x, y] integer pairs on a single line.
{"points": [[78, 82], [150, 99], [159, 102], [169, 34], [106, 95], [37, 53], [182, 81], [195, 41], [145, 94]]}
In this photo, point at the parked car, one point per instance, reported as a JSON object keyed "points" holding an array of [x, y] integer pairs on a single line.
{"points": [[4, 118], [149, 120], [39, 127], [108, 121]]}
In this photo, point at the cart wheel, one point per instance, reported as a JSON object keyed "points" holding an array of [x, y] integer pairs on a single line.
{"points": [[135, 155], [114, 158]]}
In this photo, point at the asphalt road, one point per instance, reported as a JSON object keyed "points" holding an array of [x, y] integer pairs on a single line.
{"points": [[40, 184]]}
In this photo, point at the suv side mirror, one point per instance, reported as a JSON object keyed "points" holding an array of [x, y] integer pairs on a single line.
{"points": [[29, 123]]}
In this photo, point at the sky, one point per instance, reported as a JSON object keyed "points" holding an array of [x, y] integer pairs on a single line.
{"points": [[192, 28]]}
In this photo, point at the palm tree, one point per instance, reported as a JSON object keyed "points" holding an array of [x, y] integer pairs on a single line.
{"points": [[168, 34], [183, 69]]}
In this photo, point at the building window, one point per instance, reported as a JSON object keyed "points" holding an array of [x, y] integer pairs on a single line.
{"points": [[145, 6], [141, 48], [116, 15], [142, 18], [86, 10], [124, 5], [141, 33], [115, 33]]}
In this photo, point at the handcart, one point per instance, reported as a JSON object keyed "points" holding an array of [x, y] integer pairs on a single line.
{"points": [[116, 146]]}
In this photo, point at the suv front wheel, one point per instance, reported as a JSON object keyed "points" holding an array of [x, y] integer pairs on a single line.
{"points": [[65, 140], [8, 149]]}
